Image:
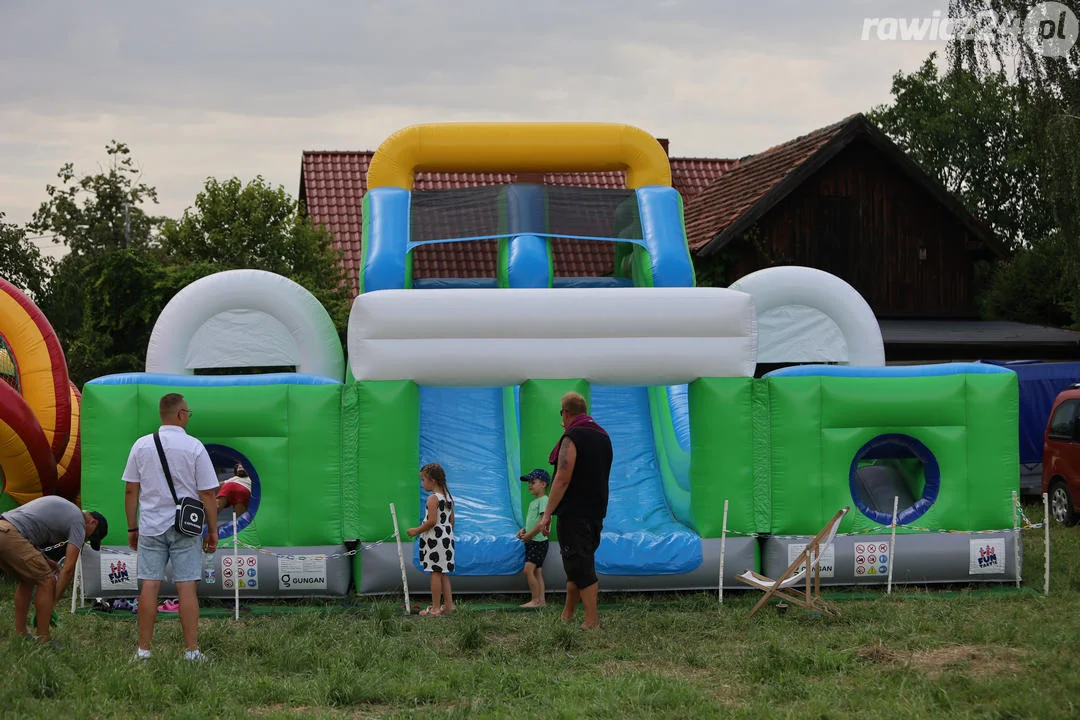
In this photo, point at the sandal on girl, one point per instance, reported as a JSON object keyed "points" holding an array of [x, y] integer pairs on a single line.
{"points": [[430, 611]]}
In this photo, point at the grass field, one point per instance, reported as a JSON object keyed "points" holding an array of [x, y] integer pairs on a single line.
{"points": [[961, 652]]}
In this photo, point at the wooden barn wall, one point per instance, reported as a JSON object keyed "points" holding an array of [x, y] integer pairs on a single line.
{"points": [[862, 219]]}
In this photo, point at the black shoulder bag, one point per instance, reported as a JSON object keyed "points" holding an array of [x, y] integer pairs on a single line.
{"points": [[190, 513]]}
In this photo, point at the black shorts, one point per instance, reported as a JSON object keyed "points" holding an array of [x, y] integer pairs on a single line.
{"points": [[578, 540], [536, 551]]}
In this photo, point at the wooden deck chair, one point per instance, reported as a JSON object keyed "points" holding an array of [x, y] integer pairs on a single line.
{"points": [[784, 587]]}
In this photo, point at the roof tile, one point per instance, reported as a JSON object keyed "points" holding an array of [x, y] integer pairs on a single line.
{"points": [[734, 192]]}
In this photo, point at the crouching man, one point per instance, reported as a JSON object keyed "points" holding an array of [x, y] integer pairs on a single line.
{"points": [[43, 523]]}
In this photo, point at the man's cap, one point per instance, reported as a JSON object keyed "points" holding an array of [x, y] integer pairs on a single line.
{"points": [[100, 531], [537, 474]]}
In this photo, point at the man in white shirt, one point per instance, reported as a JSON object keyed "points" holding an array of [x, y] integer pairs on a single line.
{"points": [[154, 536]]}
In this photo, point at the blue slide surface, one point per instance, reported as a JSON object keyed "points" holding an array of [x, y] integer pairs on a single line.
{"points": [[464, 430], [640, 535]]}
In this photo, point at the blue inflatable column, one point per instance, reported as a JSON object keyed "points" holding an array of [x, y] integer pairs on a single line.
{"points": [[527, 253], [386, 263], [665, 237]]}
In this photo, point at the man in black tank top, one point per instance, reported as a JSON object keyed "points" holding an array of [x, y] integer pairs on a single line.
{"points": [[579, 497]]}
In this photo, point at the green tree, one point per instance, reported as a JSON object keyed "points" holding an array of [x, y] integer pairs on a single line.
{"points": [[101, 219], [1031, 288], [1050, 83], [125, 265], [977, 135], [100, 212], [234, 225], [104, 308], [21, 263]]}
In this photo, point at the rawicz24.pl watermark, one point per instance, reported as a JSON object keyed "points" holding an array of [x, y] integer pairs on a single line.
{"points": [[1050, 28]]}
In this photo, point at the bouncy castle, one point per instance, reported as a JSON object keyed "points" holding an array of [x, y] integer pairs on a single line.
{"points": [[39, 406], [709, 459]]}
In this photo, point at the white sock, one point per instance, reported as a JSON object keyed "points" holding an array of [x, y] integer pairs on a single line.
{"points": [[191, 654], [143, 653]]}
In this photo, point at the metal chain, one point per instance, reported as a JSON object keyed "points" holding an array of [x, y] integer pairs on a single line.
{"points": [[362, 546], [1028, 525]]}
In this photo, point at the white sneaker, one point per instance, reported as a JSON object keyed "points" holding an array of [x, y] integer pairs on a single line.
{"points": [[195, 656], [139, 657]]}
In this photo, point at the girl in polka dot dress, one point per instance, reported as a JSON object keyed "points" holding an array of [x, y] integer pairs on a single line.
{"points": [[437, 539]]}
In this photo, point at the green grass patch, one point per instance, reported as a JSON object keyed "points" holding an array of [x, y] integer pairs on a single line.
{"points": [[924, 652]]}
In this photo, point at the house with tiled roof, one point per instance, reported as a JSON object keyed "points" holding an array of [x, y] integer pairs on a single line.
{"points": [[333, 184], [845, 199]]}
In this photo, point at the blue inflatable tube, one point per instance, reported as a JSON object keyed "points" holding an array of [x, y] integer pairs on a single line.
{"points": [[528, 256], [386, 262], [665, 239], [889, 371]]}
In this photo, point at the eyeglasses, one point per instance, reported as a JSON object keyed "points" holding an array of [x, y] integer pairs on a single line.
{"points": [[185, 410], [562, 412]]}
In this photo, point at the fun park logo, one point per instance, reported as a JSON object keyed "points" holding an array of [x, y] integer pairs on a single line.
{"points": [[118, 572], [1051, 29], [987, 556]]}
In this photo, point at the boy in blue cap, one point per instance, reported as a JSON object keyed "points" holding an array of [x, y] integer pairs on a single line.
{"points": [[536, 543]]}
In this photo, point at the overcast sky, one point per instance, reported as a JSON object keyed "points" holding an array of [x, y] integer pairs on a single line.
{"points": [[200, 88]]}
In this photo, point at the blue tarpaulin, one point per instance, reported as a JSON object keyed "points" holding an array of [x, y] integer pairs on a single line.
{"points": [[1040, 383]]}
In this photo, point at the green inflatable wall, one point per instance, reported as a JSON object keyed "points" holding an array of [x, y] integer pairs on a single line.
{"points": [[383, 450], [817, 425], [290, 434], [540, 401], [722, 457]]}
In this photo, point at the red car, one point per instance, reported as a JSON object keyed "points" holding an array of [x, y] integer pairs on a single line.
{"points": [[1061, 457]]}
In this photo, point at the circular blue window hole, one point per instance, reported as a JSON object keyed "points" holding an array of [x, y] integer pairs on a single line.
{"points": [[894, 466], [225, 459]]}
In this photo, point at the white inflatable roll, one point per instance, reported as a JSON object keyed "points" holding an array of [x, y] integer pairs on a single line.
{"points": [[791, 301], [623, 336], [286, 325]]}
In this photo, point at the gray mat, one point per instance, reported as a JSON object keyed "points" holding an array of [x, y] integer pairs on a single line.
{"points": [[381, 572], [924, 558]]}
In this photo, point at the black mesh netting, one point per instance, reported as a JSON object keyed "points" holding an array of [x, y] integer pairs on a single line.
{"points": [[481, 211], [8, 372]]}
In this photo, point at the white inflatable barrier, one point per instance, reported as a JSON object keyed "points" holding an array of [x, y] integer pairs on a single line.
{"points": [[808, 315], [488, 338], [245, 318]]}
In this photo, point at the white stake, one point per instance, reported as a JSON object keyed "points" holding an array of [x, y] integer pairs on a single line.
{"points": [[1046, 543], [723, 543], [76, 580], [401, 559], [236, 569], [1016, 539], [892, 543]]}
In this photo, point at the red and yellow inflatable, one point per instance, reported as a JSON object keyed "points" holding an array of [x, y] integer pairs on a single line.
{"points": [[39, 407]]}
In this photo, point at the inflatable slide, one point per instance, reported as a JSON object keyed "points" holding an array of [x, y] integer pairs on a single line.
{"points": [[469, 372]]}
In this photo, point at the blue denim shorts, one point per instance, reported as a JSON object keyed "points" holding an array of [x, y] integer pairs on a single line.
{"points": [[185, 552]]}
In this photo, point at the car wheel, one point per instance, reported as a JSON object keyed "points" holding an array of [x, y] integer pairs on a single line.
{"points": [[1061, 507]]}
